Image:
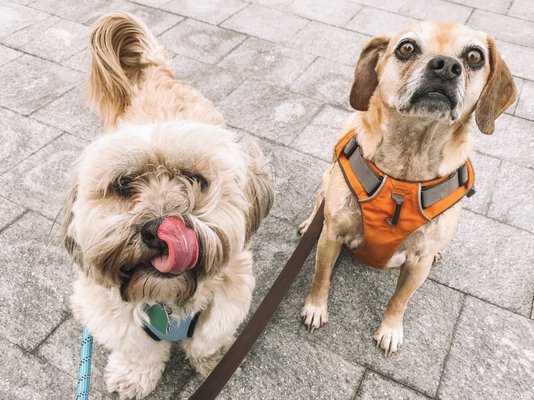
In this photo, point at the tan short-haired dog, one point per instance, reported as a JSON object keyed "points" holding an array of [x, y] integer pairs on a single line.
{"points": [[415, 92]]}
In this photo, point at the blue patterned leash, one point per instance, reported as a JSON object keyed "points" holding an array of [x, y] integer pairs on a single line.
{"points": [[84, 371]]}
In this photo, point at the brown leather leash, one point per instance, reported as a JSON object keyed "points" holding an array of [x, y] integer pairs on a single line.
{"points": [[214, 383]]}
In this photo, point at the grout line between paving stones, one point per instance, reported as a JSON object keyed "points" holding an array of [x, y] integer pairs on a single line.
{"points": [[365, 365], [66, 315], [519, 96], [33, 152], [14, 220], [359, 386], [478, 298], [168, 29], [499, 221], [504, 159], [469, 17], [237, 12], [447, 356], [492, 194]]}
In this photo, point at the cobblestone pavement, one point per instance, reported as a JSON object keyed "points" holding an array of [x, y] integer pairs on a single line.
{"points": [[280, 71]]}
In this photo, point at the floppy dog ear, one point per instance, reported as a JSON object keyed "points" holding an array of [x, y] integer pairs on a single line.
{"points": [[70, 243], [260, 193], [365, 78], [498, 93]]}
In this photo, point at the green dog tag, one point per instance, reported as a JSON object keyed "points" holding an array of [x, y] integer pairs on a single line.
{"points": [[159, 318]]}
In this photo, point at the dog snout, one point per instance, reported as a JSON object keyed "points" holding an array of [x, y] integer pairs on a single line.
{"points": [[149, 234], [444, 68]]}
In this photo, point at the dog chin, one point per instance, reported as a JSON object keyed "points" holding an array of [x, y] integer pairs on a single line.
{"points": [[145, 282], [432, 105]]}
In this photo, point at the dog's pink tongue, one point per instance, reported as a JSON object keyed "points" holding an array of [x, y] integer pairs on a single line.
{"points": [[182, 244]]}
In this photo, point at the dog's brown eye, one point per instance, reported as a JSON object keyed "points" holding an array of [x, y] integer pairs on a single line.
{"points": [[194, 177], [123, 186], [406, 50], [474, 58]]}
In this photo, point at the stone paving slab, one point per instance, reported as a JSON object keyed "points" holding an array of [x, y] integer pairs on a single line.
{"points": [[41, 181], [43, 82], [215, 82], [273, 63], [491, 261], [265, 23], [525, 106], [213, 12], [486, 169], [512, 141], [328, 41], [35, 272], [14, 17], [71, 114], [21, 137], [492, 356], [7, 54], [522, 9], [503, 27], [375, 386], [319, 137], [9, 212], [268, 111], [25, 376], [509, 205], [365, 21], [201, 41], [292, 369], [518, 58], [56, 40], [325, 80], [292, 191]]}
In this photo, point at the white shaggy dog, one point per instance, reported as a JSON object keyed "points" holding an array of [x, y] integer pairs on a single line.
{"points": [[159, 215]]}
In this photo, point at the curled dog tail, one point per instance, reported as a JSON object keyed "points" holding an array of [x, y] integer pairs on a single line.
{"points": [[121, 46]]}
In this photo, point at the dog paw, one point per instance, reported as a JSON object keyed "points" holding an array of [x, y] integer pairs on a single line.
{"points": [[438, 257], [204, 365], [303, 227], [314, 316], [389, 338], [132, 380]]}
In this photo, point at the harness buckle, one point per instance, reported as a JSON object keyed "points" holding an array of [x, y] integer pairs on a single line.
{"points": [[399, 200]]}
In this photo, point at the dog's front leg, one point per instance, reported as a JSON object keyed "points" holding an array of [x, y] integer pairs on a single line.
{"points": [[136, 362], [389, 335], [216, 326], [315, 311], [134, 370]]}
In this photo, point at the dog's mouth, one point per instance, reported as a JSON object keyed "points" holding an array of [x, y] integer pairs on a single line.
{"points": [[439, 96]]}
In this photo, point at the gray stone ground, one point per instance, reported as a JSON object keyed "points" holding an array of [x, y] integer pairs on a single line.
{"points": [[279, 71]]}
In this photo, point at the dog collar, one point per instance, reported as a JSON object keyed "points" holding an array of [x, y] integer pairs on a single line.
{"points": [[161, 325]]}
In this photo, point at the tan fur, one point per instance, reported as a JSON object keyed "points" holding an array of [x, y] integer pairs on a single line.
{"points": [[130, 77], [167, 147], [410, 144]]}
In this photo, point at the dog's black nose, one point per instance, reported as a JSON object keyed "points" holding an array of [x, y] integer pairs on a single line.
{"points": [[445, 68], [149, 234]]}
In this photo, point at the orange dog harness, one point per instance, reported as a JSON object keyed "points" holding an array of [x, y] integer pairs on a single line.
{"points": [[391, 208]]}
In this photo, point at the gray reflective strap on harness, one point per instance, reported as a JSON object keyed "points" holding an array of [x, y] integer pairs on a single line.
{"points": [[162, 326], [433, 194], [371, 181], [367, 177]]}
